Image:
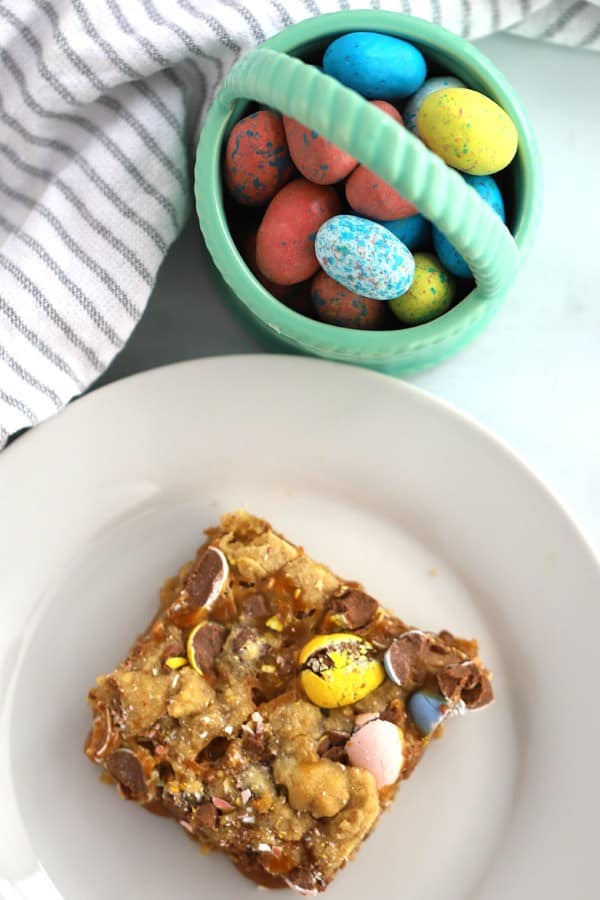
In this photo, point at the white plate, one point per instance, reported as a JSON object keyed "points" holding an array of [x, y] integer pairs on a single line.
{"points": [[388, 486]]}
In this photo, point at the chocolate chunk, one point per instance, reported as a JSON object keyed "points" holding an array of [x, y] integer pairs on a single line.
{"points": [[285, 663], [480, 695], [117, 709], [173, 647], [441, 649], [336, 754], [215, 750], [158, 808], [304, 613], [125, 767], [204, 582], [404, 654], [304, 880], [166, 771], [384, 630], [446, 637], [255, 746], [333, 746], [324, 745], [207, 644], [255, 606], [240, 637], [258, 698], [394, 712], [205, 817], [101, 738], [357, 607], [176, 805], [338, 738], [452, 679], [330, 739], [467, 682]]}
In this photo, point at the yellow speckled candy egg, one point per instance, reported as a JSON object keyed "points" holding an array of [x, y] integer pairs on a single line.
{"points": [[339, 669], [430, 294], [468, 130]]}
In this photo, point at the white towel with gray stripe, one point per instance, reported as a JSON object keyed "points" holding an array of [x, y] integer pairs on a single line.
{"points": [[100, 101]]}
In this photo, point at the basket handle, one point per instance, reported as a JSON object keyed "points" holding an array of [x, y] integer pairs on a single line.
{"points": [[343, 117]]}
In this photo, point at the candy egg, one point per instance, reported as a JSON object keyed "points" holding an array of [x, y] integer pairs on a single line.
{"points": [[364, 257], [430, 294], [468, 130], [451, 259], [248, 249], [204, 644], [410, 111], [339, 669], [414, 231], [285, 243], [376, 65], [337, 305], [257, 161], [426, 710], [378, 747], [299, 300], [316, 158], [404, 656], [388, 109], [371, 196]]}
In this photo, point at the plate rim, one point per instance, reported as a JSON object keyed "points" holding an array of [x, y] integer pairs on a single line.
{"points": [[420, 394]]}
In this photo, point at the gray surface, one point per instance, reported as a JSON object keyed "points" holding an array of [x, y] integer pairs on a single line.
{"points": [[534, 376], [185, 317]]}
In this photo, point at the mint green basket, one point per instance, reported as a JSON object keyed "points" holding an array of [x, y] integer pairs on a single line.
{"points": [[272, 75]]}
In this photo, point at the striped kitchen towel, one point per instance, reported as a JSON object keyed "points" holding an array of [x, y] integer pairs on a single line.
{"points": [[100, 102]]}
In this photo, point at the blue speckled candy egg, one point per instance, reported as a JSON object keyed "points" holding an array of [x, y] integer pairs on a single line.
{"points": [[409, 114], [378, 66], [364, 257], [450, 258], [426, 710], [414, 231]]}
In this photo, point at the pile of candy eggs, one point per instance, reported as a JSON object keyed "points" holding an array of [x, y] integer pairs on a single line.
{"points": [[328, 237]]}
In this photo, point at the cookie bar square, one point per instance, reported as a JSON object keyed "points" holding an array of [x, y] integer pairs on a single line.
{"points": [[272, 708]]}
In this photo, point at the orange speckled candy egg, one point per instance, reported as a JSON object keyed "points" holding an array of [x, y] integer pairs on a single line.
{"points": [[371, 196], [248, 250], [285, 243], [316, 158], [257, 160], [337, 305]]}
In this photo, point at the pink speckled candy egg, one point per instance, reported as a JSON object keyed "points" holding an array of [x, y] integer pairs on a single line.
{"points": [[257, 160], [316, 158], [285, 243], [378, 747], [371, 196], [337, 305]]}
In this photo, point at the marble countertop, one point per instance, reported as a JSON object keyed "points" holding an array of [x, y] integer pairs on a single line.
{"points": [[533, 377]]}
